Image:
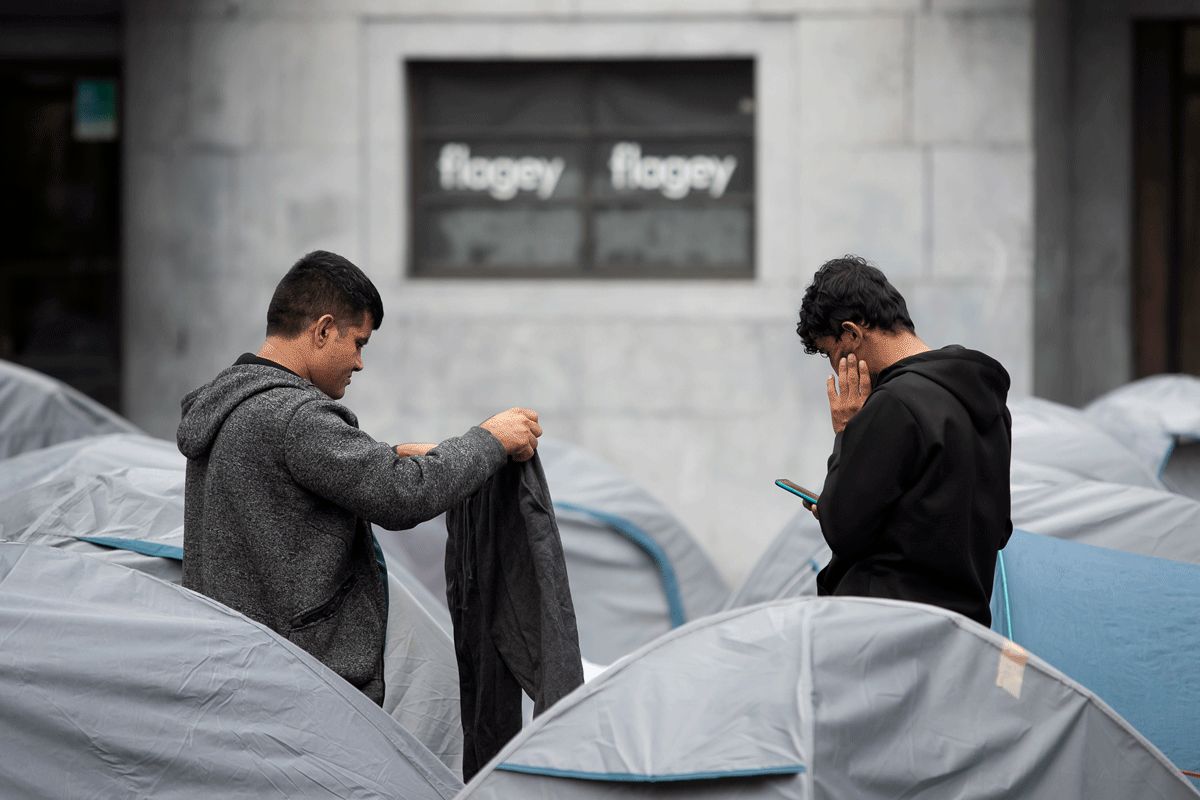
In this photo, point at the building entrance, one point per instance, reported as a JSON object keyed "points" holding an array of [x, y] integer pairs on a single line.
{"points": [[1167, 197], [60, 221]]}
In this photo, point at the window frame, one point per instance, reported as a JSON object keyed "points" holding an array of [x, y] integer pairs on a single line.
{"points": [[419, 135]]}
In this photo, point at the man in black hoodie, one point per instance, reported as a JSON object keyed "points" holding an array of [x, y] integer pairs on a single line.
{"points": [[282, 486], [916, 500]]}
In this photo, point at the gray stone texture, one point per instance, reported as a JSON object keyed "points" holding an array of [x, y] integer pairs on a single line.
{"points": [[262, 129], [974, 78], [862, 58], [982, 208], [869, 202]]}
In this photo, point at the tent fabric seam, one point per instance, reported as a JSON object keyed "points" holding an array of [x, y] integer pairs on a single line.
{"points": [[137, 546], [630, 777], [633, 533]]}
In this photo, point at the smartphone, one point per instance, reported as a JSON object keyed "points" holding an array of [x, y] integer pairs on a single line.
{"points": [[799, 491]]}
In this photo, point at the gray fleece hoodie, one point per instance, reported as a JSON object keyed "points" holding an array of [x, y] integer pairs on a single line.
{"points": [[281, 487]]}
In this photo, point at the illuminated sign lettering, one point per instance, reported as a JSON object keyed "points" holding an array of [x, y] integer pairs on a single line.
{"points": [[500, 177], [674, 176]]}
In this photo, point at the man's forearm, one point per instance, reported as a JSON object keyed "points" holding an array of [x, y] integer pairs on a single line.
{"points": [[414, 449]]}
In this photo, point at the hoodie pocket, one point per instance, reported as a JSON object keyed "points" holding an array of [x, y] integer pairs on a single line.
{"points": [[325, 610]]}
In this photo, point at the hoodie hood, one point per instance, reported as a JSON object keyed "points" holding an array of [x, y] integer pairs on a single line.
{"points": [[976, 380], [206, 409]]}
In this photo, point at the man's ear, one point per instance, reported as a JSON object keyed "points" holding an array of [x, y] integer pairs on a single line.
{"points": [[854, 330], [323, 331]]}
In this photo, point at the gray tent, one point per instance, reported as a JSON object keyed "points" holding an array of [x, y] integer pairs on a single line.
{"points": [[1058, 503], [1056, 435], [1074, 477], [831, 698], [1159, 419], [120, 498], [789, 566], [635, 571], [119, 486], [37, 410], [116, 684]]}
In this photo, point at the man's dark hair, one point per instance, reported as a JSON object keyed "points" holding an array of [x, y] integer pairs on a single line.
{"points": [[849, 289], [322, 283]]}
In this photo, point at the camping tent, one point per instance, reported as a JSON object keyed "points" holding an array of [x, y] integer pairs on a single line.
{"points": [[635, 571], [37, 410], [828, 698], [789, 566], [118, 486], [1122, 624], [120, 498], [116, 684], [1056, 435], [1058, 503], [1158, 418], [1074, 478]]}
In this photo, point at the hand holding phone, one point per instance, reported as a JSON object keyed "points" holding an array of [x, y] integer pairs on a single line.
{"points": [[798, 490]]}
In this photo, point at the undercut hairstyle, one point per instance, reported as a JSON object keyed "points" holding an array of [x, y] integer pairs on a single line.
{"points": [[322, 283], [849, 289]]}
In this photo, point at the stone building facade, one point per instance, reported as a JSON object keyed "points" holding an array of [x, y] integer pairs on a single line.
{"points": [[907, 131]]}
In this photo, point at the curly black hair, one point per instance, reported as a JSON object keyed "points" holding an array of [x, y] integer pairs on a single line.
{"points": [[849, 289]]}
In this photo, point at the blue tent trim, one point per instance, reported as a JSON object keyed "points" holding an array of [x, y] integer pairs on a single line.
{"points": [[1004, 590], [137, 546], [629, 777], [1167, 457], [642, 539]]}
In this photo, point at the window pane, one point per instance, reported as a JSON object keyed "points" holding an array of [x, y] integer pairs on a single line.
{"points": [[673, 236], [512, 237], [707, 96], [583, 168], [498, 95]]}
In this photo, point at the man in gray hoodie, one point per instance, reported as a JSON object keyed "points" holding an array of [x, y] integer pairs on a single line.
{"points": [[282, 486]]}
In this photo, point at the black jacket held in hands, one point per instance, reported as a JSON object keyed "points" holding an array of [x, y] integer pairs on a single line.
{"points": [[916, 500], [514, 622]]}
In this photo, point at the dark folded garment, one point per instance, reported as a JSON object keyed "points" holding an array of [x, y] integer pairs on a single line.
{"points": [[514, 623]]}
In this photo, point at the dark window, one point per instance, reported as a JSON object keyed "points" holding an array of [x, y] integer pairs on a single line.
{"points": [[1167, 197], [59, 203], [582, 169]]}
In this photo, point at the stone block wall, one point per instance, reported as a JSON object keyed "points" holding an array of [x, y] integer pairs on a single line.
{"points": [[897, 129]]}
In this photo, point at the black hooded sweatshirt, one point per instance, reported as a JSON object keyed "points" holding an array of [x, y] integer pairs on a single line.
{"points": [[916, 501]]}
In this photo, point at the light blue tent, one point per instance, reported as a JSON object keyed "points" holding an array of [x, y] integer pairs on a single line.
{"points": [[1124, 625]]}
